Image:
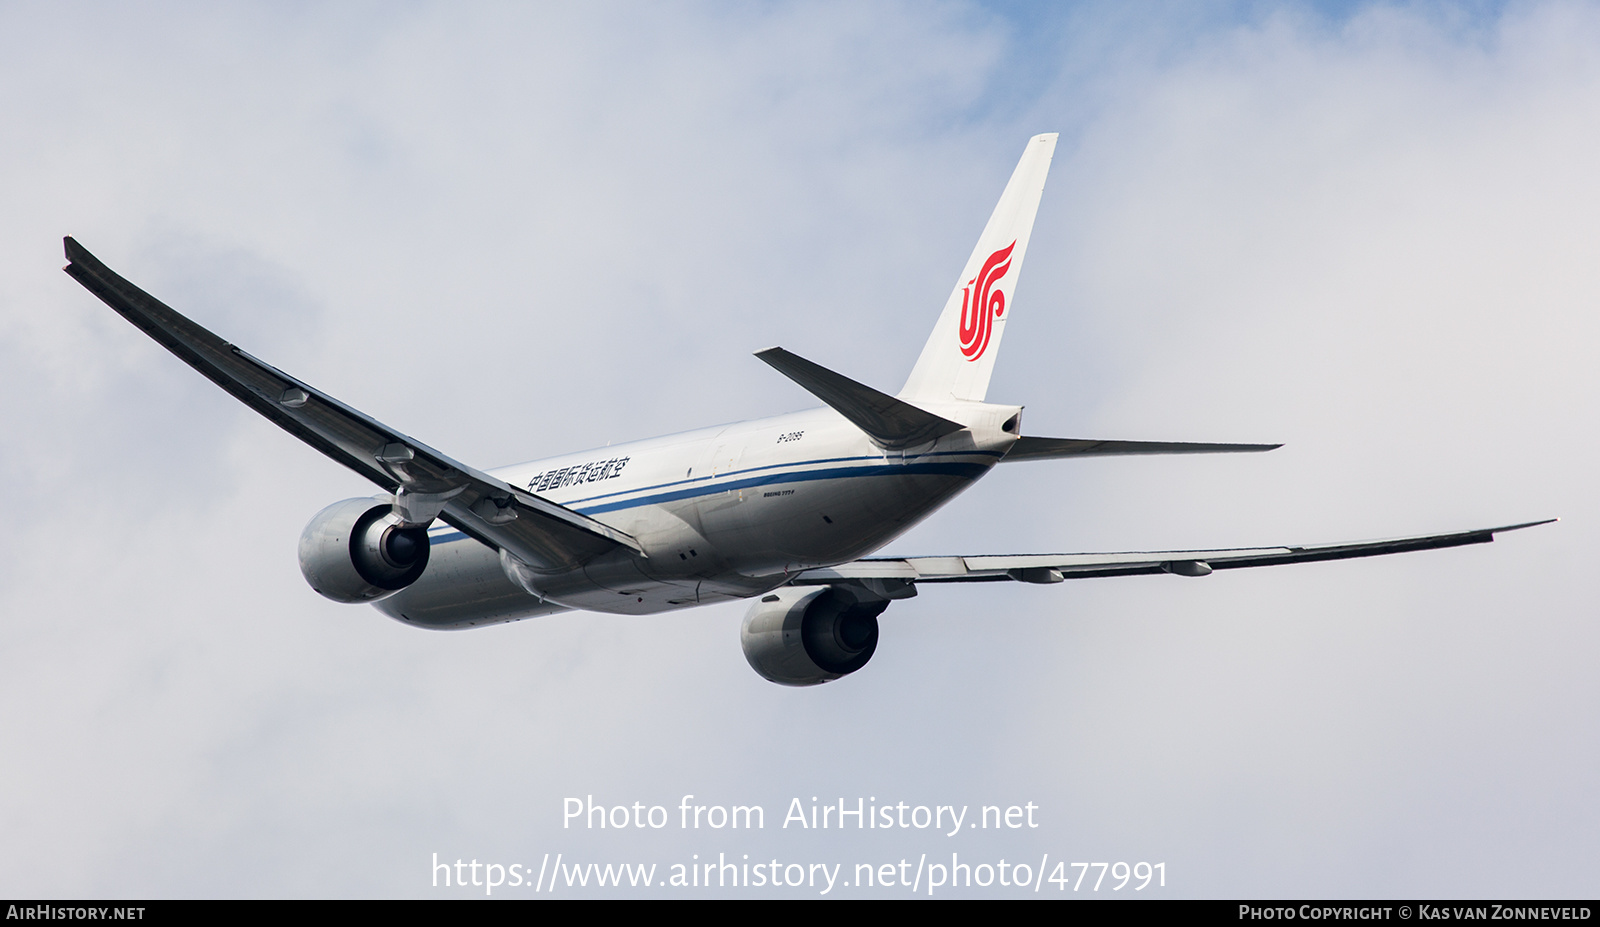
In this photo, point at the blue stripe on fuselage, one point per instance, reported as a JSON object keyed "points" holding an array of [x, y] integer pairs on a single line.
{"points": [[800, 476], [711, 485], [799, 463]]}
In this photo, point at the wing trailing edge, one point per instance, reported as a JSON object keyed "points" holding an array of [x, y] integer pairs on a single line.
{"points": [[1054, 568]]}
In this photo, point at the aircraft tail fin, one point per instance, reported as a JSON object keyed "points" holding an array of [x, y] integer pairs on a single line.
{"points": [[959, 357]]}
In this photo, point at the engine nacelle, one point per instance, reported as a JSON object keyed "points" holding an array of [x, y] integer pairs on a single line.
{"points": [[356, 551], [802, 636]]}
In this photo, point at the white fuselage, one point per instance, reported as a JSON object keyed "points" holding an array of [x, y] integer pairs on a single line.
{"points": [[724, 512]]}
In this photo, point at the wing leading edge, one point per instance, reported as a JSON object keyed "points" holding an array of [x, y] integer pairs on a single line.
{"points": [[427, 484], [1054, 568]]}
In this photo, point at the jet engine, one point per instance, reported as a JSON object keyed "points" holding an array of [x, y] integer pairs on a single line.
{"points": [[803, 636], [356, 551]]}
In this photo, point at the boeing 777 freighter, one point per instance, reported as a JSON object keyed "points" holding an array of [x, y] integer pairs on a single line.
{"points": [[785, 510]]}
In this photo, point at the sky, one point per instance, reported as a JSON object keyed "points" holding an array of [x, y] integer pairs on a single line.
{"points": [[1365, 230]]}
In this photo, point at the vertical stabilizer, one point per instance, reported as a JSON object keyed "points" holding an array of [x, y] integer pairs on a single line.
{"points": [[959, 356]]}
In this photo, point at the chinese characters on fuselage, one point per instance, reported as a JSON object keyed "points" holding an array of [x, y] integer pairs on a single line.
{"points": [[581, 473]]}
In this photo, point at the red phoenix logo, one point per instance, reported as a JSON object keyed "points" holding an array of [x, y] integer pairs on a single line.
{"points": [[982, 303]]}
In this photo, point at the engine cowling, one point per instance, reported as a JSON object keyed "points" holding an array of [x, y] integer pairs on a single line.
{"points": [[807, 636], [356, 551]]}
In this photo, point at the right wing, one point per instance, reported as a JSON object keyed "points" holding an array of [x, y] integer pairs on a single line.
{"points": [[1053, 448], [898, 574], [426, 483]]}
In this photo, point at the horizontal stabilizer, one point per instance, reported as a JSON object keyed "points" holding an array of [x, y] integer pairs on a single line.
{"points": [[427, 484], [1052, 448], [891, 423], [1053, 568]]}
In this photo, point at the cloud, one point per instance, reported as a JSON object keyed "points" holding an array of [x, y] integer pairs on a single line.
{"points": [[518, 231]]}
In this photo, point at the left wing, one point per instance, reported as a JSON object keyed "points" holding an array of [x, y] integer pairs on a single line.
{"points": [[887, 576], [426, 483]]}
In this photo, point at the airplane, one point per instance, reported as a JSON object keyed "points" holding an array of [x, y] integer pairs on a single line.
{"points": [[785, 510]]}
